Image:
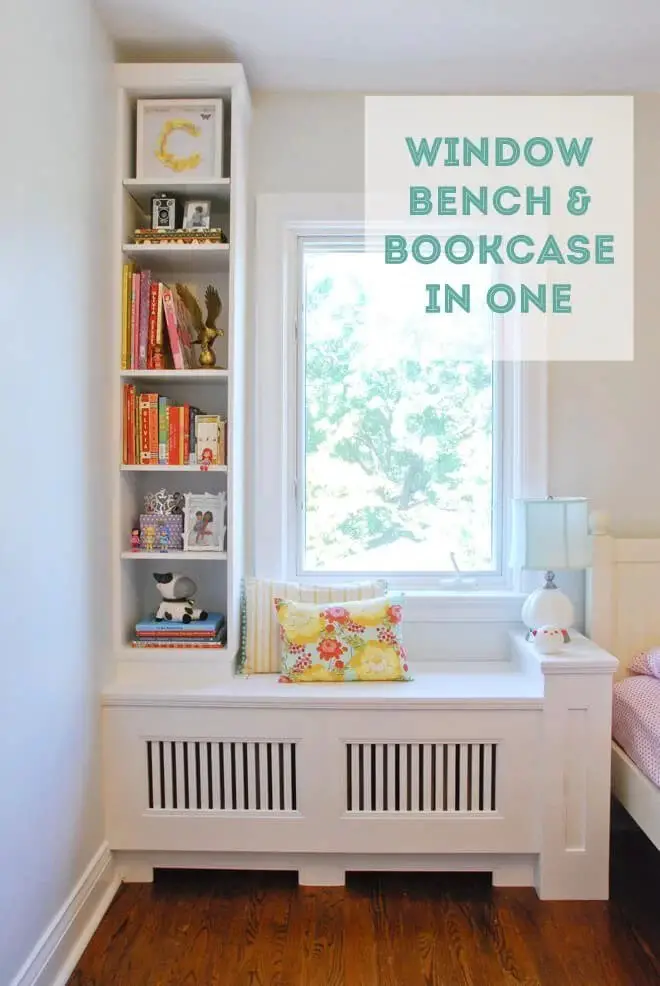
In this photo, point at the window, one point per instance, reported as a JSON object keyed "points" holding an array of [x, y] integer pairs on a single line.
{"points": [[383, 450], [399, 450]]}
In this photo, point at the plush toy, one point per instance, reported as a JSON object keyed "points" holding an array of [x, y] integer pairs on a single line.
{"points": [[548, 640], [177, 604]]}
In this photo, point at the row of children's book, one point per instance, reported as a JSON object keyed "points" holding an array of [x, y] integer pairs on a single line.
{"points": [[158, 432], [157, 324]]}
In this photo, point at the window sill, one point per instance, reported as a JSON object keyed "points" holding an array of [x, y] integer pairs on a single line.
{"points": [[475, 606]]}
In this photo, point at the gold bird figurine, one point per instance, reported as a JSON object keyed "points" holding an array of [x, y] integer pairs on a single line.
{"points": [[206, 331]]}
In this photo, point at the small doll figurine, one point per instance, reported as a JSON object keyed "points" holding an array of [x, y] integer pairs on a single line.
{"points": [[149, 538], [163, 539], [207, 459], [135, 539]]}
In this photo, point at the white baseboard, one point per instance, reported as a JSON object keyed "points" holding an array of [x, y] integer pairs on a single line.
{"points": [[55, 955]]}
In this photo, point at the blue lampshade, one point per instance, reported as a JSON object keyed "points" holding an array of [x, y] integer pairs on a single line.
{"points": [[551, 534]]}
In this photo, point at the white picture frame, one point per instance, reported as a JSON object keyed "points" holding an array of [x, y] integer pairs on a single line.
{"points": [[204, 521], [171, 132], [197, 214]]}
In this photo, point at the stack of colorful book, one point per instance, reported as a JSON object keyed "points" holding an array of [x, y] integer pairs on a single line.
{"points": [[171, 633], [157, 325], [158, 432]]}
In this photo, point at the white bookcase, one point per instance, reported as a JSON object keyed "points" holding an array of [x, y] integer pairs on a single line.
{"points": [[218, 575]]}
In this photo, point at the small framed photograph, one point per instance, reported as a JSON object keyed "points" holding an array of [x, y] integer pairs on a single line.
{"points": [[197, 214], [204, 526], [179, 139]]}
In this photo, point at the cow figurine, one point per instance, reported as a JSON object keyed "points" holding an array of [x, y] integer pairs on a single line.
{"points": [[177, 604]]}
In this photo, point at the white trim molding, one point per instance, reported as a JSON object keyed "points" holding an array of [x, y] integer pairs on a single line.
{"points": [[277, 216], [280, 219], [57, 952], [319, 870]]}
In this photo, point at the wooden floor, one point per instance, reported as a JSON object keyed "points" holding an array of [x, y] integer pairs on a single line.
{"points": [[219, 929]]}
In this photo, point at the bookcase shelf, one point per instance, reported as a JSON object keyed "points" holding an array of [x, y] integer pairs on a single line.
{"points": [[184, 258], [159, 655], [198, 376], [164, 468], [217, 575], [144, 190], [174, 555]]}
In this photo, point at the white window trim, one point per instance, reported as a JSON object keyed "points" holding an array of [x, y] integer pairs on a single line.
{"points": [[280, 219]]}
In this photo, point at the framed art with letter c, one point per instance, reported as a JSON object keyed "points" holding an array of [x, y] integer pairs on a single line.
{"points": [[179, 139]]}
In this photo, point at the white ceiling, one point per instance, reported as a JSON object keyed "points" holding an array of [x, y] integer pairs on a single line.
{"points": [[405, 45]]}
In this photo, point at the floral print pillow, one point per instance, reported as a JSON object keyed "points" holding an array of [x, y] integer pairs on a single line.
{"points": [[360, 640]]}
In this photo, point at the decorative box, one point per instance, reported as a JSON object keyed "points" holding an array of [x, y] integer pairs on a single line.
{"points": [[171, 523], [187, 236]]}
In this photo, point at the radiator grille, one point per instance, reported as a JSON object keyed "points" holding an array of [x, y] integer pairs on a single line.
{"points": [[200, 775], [421, 777]]}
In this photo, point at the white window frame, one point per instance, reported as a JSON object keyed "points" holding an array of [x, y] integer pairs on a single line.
{"points": [[280, 222]]}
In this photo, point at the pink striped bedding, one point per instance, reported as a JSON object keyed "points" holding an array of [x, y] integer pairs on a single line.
{"points": [[636, 722]]}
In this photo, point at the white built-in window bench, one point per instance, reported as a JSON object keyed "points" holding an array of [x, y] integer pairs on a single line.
{"points": [[499, 766]]}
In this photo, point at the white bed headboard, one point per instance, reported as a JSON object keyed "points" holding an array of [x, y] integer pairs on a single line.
{"points": [[623, 595]]}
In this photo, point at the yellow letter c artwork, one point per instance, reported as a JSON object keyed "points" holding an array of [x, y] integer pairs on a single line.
{"points": [[170, 160]]}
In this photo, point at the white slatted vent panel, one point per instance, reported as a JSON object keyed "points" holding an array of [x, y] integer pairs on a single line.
{"points": [[421, 777], [201, 775]]}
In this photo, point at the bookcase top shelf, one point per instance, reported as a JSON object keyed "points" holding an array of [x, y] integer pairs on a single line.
{"points": [[190, 258], [201, 376], [143, 190]]}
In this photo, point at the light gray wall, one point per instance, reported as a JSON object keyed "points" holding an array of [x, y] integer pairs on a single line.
{"points": [[604, 417], [54, 204]]}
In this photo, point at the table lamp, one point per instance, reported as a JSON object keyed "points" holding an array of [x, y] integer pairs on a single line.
{"points": [[551, 534]]}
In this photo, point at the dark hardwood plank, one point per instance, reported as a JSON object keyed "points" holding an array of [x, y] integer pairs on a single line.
{"points": [[261, 929], [323, 955], [301, 916], [360, 949]]}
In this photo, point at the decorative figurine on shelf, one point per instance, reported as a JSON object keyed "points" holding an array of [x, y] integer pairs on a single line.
{"points": [[149, 537], [206, 331], [164, 502], [209, 333], [176, 591], [548, 639], [163, 511], [135, 539], [163, 538]]}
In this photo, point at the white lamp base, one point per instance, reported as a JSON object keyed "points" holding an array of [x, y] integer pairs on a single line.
{"points": [[548, 607]]}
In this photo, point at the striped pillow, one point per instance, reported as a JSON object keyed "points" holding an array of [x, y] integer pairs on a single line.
{"points": [[261, 650]]}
